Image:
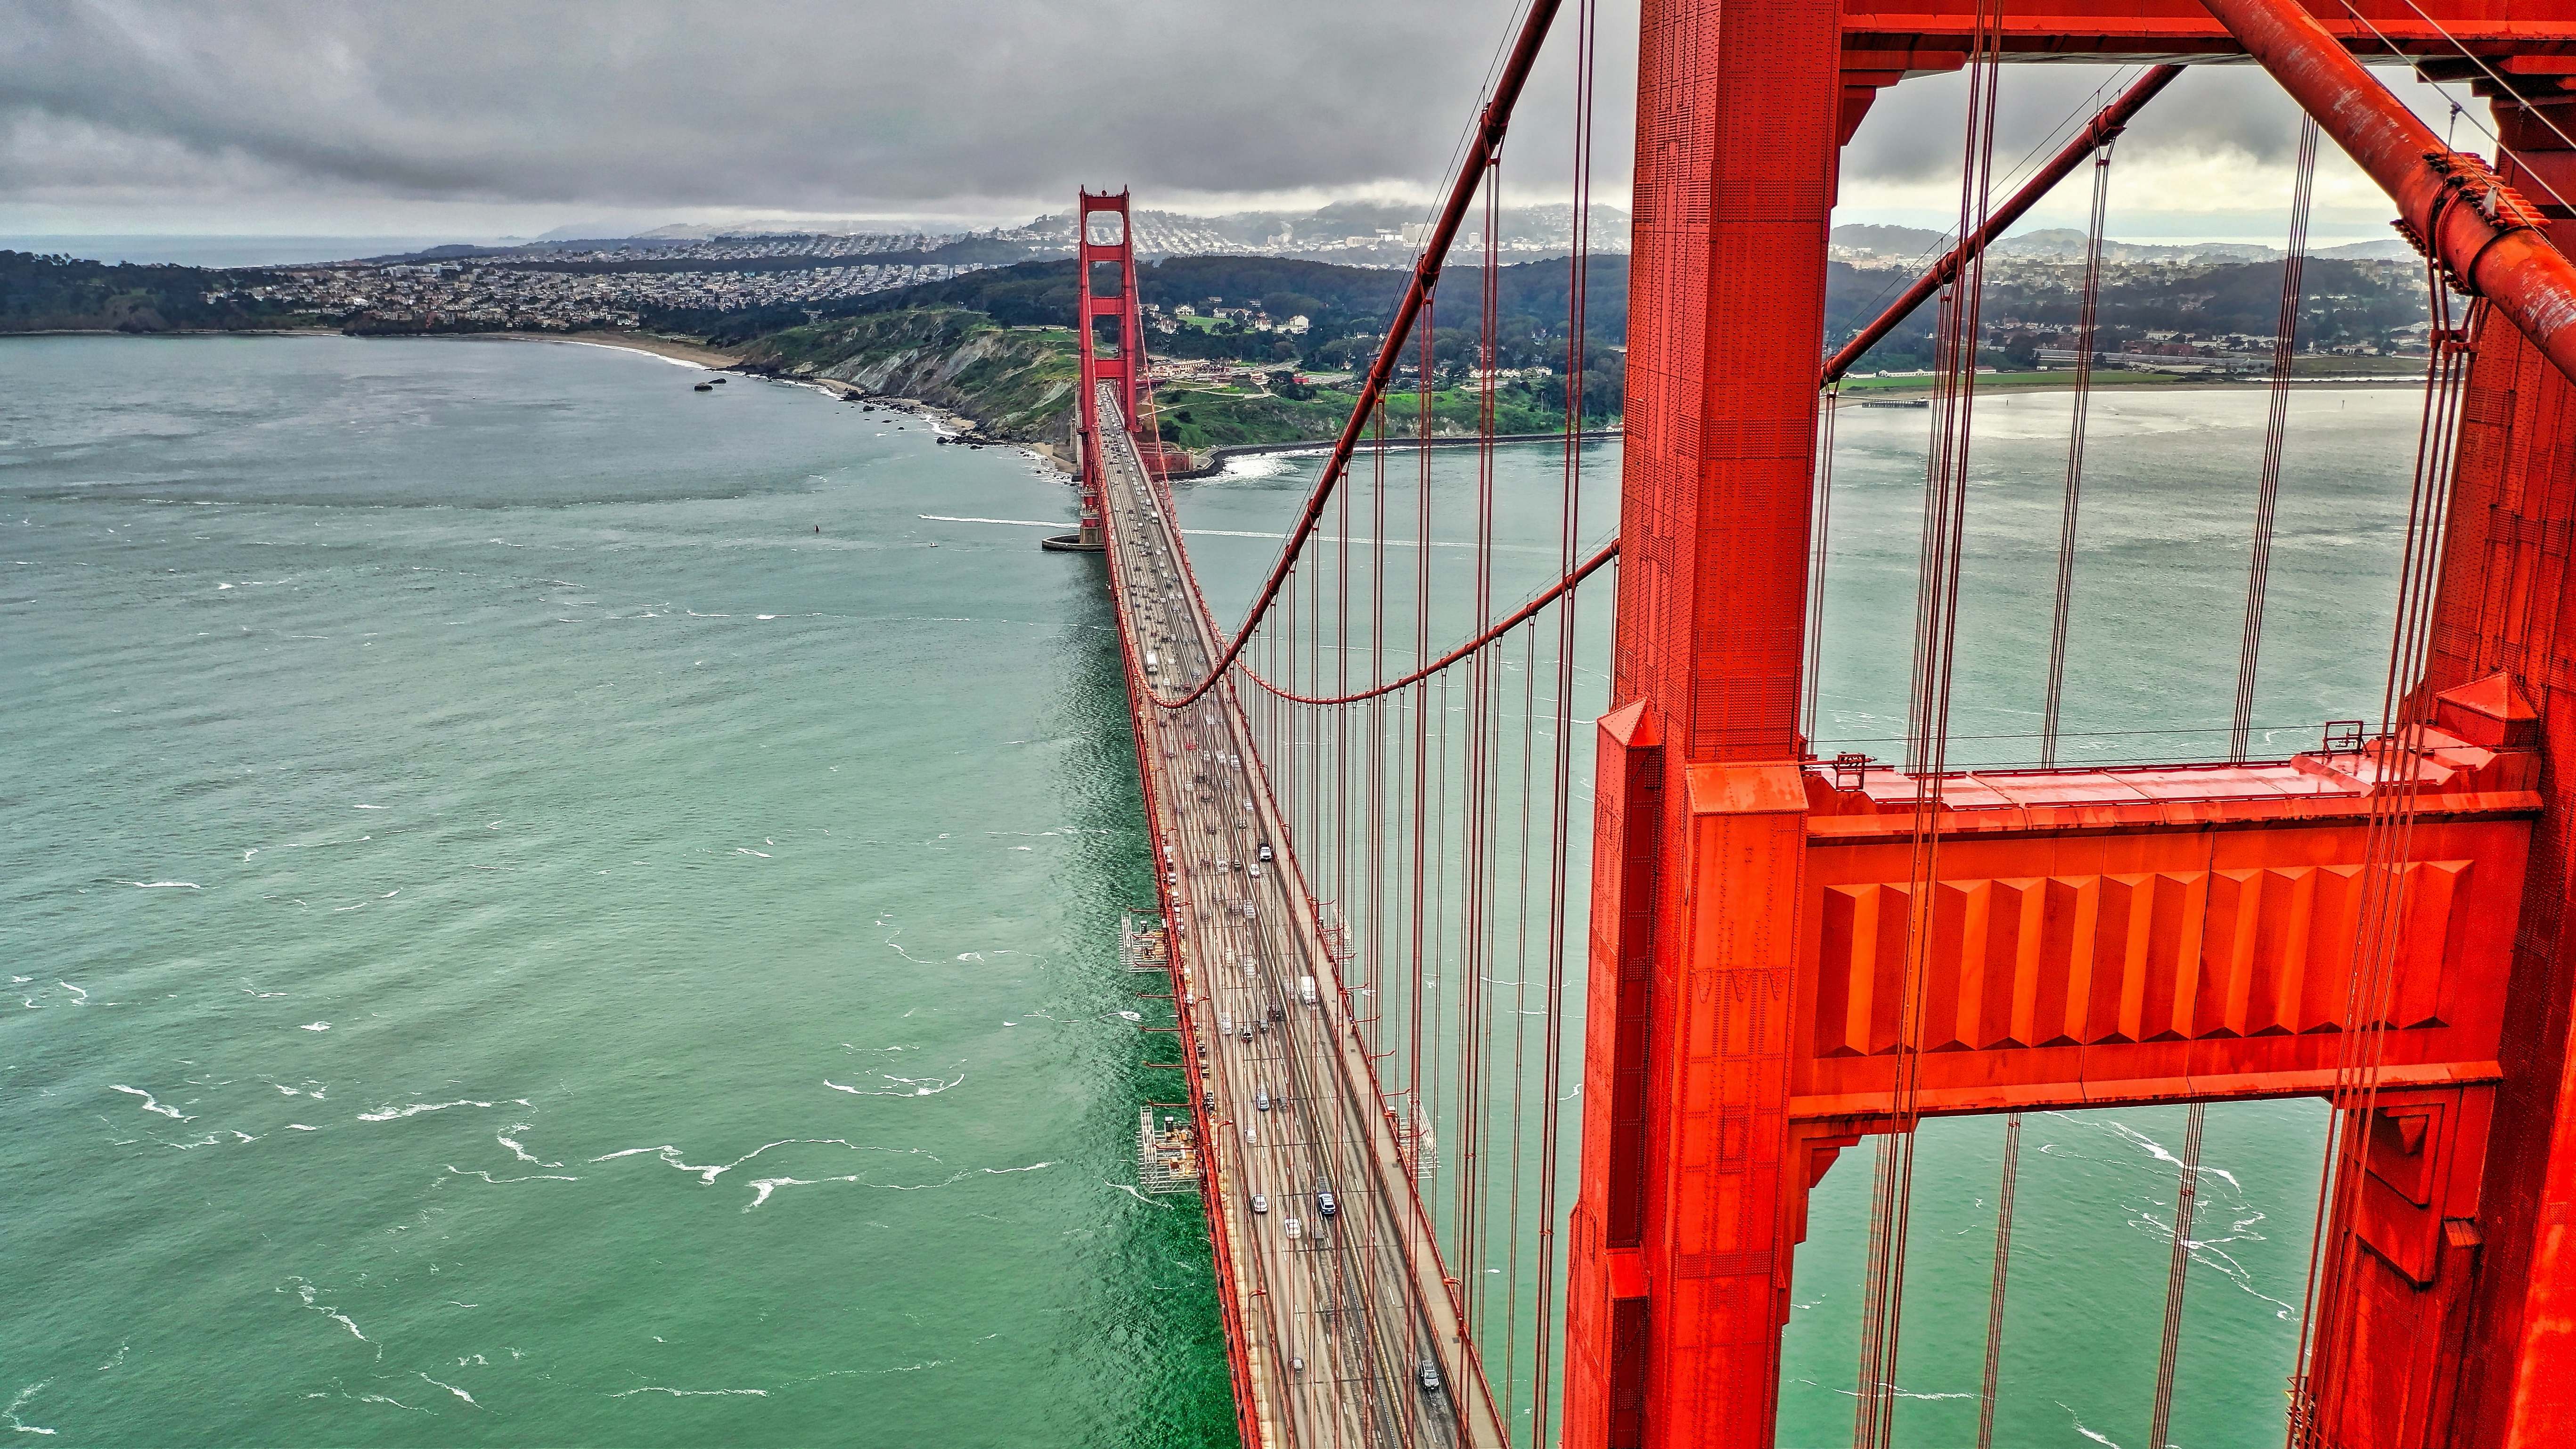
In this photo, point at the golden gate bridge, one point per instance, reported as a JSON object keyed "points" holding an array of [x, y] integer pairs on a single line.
{"points": [[1387, 981]]}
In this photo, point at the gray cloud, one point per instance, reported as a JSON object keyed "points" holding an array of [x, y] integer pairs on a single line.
{"points": [[829, 106], [850, 107]]}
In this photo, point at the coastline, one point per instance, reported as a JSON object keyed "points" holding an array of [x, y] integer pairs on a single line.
{"points": [[951, 424], [674, 348]]}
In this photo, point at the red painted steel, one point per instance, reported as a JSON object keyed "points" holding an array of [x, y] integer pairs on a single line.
{"points": [[1113, 299], [2503, 609], [2156, 934], [1678, 1247]]}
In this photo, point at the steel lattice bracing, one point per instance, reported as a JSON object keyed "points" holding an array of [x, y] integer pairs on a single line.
{"points": [[2097, 937]]}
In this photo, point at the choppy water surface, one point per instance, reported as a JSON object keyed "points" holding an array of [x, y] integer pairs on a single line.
{"points": [[512, 937]]}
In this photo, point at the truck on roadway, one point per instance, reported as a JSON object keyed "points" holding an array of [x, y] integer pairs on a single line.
{"points": [[1306, 989]]}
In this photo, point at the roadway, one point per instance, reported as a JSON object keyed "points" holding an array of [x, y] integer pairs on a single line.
{"points": [[1343, 1316]]}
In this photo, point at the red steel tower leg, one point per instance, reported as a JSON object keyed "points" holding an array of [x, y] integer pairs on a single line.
{"points": [[1692, 1183], [2505, 606]]}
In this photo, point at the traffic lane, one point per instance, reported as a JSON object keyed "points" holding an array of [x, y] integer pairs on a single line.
{"points": [[1195, 653], [1198, 653]]}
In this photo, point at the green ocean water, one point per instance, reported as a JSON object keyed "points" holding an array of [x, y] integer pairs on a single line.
{"points": [[512, 937], [526, 941]]}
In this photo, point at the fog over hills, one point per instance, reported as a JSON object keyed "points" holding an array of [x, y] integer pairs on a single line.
{"points": [[1911, 245], [1364, 233]]}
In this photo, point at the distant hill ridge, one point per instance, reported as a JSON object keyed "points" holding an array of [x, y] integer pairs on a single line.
{"points": [[1860, 242]]}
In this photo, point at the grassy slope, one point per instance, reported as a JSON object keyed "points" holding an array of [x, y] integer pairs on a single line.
{"points": [[1016, 381], [1197, 419]]}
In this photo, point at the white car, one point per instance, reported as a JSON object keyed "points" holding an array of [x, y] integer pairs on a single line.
{"points": [[1293, 1228], [1260, 1203]]}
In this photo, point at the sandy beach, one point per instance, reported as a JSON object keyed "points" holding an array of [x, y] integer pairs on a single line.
{"points": [[675, 348]]}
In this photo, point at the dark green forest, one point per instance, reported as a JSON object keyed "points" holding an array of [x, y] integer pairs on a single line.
{"points": [[57, 293]]}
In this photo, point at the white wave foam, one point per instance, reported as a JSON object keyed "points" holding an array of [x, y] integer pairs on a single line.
{"points": [[905, 1086], [150, 1104], [500, 1181], [163, 885], [692, 1393], [708, 1174], [2078, 1421], [16, 1424], [453, 1389], [504, 1138], [315, 1026], [310, 1295], [388, 1114]]}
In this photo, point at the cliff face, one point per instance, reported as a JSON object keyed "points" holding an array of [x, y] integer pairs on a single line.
{"points": [[1015, 382]]}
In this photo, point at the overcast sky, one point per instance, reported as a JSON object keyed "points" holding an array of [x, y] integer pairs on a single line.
{"points": [[473, 119]]}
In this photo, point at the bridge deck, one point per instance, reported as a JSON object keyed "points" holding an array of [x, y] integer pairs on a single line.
{"points": [[1338, 1320]]}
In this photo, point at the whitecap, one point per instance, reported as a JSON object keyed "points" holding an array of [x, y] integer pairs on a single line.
{"points": [[453, 1389], [506, 1140], [692, 1393], [499, 1181], [16, 1424], [315, 1026], [904, 1086], [152, 1105], [388, 1114]]}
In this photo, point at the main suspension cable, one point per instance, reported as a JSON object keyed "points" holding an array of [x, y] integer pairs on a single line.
{"points": [[1493, 121]]}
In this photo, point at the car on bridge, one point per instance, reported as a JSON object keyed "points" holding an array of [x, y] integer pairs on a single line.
{"points": [[1326, 1203]]}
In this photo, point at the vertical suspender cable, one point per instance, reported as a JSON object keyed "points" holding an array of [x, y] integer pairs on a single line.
{"points": [[1820, 533], [1995, 1294], [1562, 723], [2333, 1252], [2285, 343], [1935, 651], [2176, 1270], [2088, 319]]}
